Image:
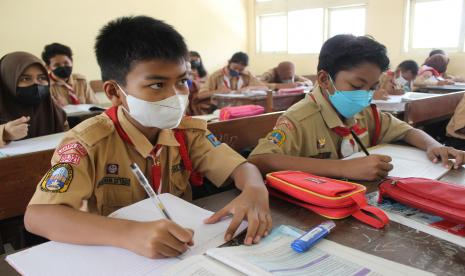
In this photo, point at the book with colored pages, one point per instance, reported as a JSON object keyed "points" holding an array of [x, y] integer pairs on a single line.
{"points": [[274, 256]]}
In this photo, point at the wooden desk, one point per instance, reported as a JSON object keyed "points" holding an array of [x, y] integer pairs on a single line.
{"points": [[271, 102], [442, 89], [395, 242]]}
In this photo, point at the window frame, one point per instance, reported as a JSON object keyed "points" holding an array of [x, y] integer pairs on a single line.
{"points": [[409, 32]]}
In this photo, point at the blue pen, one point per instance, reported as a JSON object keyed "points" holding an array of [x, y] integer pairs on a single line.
{"points": [[312, 237]]}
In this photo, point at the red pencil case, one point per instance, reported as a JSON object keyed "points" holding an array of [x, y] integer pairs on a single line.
{"points": [[431, 196], [233, 112], [297, 90], [334, 199]]}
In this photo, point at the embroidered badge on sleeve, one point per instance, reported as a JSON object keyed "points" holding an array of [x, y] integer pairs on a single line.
{"points": [[277, 137], [58, 179], [212, 138]]}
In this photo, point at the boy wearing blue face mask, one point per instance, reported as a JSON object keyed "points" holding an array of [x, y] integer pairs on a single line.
{"points": [[315, 133], [143, 65]]}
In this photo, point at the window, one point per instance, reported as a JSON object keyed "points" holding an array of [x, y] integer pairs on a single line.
{"points": [[273, 33], [282, 27], [305, 31], [347, 21], [436, 24]]}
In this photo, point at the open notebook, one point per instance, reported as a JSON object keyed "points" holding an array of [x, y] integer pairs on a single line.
{"points": [[407, 161], [274, 256], [54, 258], [31, 145]]}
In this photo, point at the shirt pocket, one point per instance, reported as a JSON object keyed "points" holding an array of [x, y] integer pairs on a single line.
{"points": [[113, 196]]}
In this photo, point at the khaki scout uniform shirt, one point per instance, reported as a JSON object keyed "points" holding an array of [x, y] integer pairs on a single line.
{"points": [[271, 78], [82, 89], [91, 167], [216, 81], [305, 129], [456, 126]]}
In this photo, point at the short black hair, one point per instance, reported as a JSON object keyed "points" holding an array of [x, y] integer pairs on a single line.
{"points": [[343, 52], [200, 68], [127, 40], [437, 51], [55, 49], [409, 65], [241, 58]]}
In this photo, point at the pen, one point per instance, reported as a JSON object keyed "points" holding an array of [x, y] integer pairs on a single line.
{"points": [[359, 142], [148, 189]]}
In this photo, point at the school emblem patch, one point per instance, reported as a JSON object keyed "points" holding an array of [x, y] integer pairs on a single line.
{"points": [[212, 138], [112, 168], [57, 179], [277, 137]]}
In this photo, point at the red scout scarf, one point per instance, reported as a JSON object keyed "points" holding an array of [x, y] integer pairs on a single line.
{"points": [[348, 145], [72, 94], [195, 178], [426, 68], [227, 80]]}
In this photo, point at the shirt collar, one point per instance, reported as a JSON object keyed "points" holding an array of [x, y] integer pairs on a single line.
{"points": [[141, 143]]}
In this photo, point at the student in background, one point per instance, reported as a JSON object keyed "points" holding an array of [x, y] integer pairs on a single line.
{"points": [[445, 74], [456, 127], [146, 79], [283, 76], [232, 77], [314, 134], [432, 71], [66, 88], [405, 74], [26, 108], [199, 74]]}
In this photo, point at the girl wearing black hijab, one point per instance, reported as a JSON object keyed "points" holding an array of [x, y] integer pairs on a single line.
{"points": [[26, 107]]}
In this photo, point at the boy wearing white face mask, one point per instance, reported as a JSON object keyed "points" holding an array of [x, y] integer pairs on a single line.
{"points": [[145, 77], [315, 133], [405, 74]]}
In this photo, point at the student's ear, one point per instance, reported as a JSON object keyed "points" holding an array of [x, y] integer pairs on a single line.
{"points": [[113, 92], [323, 80]]}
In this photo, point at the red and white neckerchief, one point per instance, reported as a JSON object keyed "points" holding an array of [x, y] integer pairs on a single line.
{"points": [[348, 144], [71, 93], [227, 80]]}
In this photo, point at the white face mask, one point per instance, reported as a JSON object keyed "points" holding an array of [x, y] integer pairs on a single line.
{"points": [[164, 114], [401, 81]]}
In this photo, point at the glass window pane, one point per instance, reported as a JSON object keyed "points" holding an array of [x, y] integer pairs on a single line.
{"points": [[347, 21], [273, 33], [436, 23], [305, 31]]}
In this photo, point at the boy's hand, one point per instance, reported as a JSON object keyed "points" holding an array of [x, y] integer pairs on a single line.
{"points": [[442, 153], [158, 239], [373, 167], [252, 204], [16, 129]]}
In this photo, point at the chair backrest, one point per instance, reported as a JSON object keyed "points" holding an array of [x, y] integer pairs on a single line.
{"points": [[433, 109], [19, 177], [243, 133], [96, 85]]}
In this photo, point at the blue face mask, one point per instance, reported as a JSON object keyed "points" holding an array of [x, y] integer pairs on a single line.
{"points": [[348, 103], [234, 73]]}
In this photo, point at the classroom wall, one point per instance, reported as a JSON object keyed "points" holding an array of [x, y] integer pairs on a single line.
{"points": [[218, 28], [385, 22]]}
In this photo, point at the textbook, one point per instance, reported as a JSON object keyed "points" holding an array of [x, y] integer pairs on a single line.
{"points": [[407, 161], [55, 258], [274, 256], [79, 109], [419, 220]]}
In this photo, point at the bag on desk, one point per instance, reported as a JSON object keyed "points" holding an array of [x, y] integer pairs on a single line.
{"points": [[334, 199], [431, 196], [233, 112]]}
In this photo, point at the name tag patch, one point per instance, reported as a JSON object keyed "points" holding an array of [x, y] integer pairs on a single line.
{"points": [[57, 179], [112, 180]]}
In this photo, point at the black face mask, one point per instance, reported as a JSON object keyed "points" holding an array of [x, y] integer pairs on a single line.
{"points": [[195, 64], [32, 95], [63, 72]]}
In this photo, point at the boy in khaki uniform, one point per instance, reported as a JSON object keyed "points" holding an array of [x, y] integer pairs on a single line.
{"points": [[90, 174], [283, 76], [314, 133], [66, 88]]}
